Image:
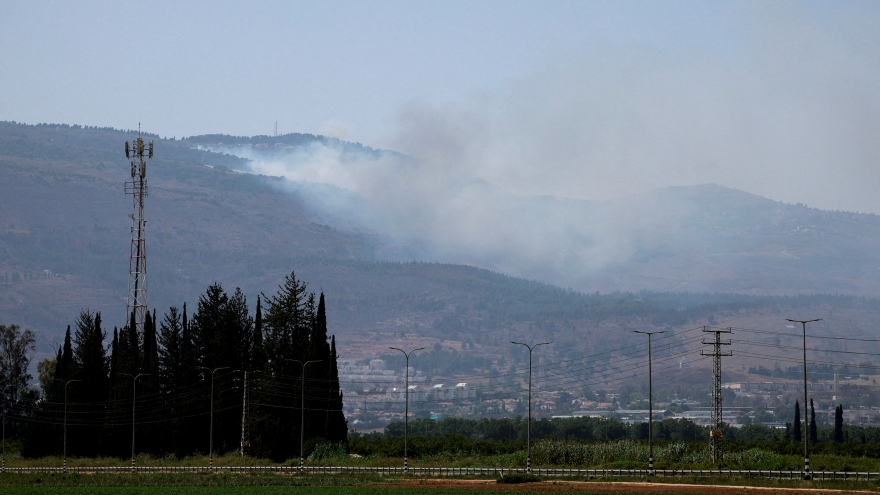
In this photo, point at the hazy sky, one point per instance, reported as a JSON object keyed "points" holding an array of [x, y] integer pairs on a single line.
{"points": [[580, 99]]}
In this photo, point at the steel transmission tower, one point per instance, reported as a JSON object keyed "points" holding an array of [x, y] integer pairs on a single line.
{"points": [[715, 433], [137, 264]]}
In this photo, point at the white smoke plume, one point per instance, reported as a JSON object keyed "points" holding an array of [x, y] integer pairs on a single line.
{"points": [[793, 114]]}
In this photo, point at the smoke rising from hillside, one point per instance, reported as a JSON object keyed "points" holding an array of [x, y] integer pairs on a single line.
{"points": [[793, 114]]}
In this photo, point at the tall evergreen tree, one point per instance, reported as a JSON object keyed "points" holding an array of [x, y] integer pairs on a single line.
{"points": [[838, 424], [147, 388], [172, 414], [116, 440], [286, 328], [189, 438], [170, 376], [797, 422], [64, 368], [814, 433], [114, 358], [258, 354], [315, 379], [91, 393], [337, 427], [169, 340]]}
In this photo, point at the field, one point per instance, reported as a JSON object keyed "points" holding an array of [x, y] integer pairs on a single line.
{"points": [[222, 483]]}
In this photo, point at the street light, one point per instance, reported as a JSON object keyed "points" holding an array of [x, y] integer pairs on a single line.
{"points": [[133, 398], [650, 406], [529, 423], [406, 404], [806, 430], [64, 452], [211, 430], [302, 407]]}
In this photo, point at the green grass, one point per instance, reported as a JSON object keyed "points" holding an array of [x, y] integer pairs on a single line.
{"points": [[203, 483]]}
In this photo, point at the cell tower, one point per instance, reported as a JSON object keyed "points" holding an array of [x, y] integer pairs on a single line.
{"points": [[715, 433], [137, 264]]}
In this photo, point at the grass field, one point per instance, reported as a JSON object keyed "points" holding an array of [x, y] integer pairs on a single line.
{"points": [[223, 483]]}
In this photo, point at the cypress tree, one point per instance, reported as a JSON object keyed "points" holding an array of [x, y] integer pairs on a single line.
{"points": [[133, 345], [337, 427], [258, 355], [147, 356], [114, 358], [116, 437], [797, 422], [814, 434], [64, 370], [148, 387], [187, 440], [315, 377], [838, 424]]}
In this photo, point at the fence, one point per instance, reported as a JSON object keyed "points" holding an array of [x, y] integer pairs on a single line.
{"points": [[462, 471]]}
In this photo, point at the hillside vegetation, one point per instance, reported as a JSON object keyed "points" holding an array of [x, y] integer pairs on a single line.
{"points": [[64, 241]]}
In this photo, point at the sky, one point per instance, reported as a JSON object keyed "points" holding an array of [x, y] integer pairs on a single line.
{"points": [[585, 99]]}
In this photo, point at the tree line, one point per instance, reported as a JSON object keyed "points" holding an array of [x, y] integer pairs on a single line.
{"points": [[247, 372], [506, 435]]}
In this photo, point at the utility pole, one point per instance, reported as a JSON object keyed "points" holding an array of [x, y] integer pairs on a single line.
{"points": [[650, 406], [406, 406], [3, 412], [806, 429], [529, 423], [715, 434], [64, 452], [133, 399], [211, 429], [244, 416], [302, 408]]}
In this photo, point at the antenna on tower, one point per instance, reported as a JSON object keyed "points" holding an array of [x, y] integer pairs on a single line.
{"points": [[137, 265]]}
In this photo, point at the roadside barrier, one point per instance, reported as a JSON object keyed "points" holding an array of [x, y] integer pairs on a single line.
{"points": [[462, 471]]}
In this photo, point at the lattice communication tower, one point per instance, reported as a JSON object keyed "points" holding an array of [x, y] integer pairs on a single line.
{"points": [[137, 264]]}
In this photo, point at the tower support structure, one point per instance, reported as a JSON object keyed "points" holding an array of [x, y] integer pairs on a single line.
{"points": [[715, 434], [137, 265]]}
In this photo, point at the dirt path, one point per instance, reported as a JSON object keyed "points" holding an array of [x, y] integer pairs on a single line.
{"points": [[617, 487]]}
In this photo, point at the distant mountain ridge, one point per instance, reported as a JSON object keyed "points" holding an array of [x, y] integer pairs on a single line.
{"points": [[64, 237]]}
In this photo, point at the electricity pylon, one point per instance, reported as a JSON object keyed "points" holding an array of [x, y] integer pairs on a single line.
{"points": [[715, 434]]}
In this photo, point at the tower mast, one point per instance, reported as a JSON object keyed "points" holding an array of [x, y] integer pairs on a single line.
{"points": [[137, 264]]}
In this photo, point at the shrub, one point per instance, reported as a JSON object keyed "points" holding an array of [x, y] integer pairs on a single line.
{"points": [[518, 478]]}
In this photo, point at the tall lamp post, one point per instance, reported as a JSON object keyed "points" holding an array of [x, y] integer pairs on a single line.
{"points": [[650, 406], [302, 407], [529, 423], [64, 452], [211, 430], [133, 402], [806, 430], [406, 405]]}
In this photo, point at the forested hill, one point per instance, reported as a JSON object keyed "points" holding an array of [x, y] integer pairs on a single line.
{"points": [[281, 141], [65, 234]]}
